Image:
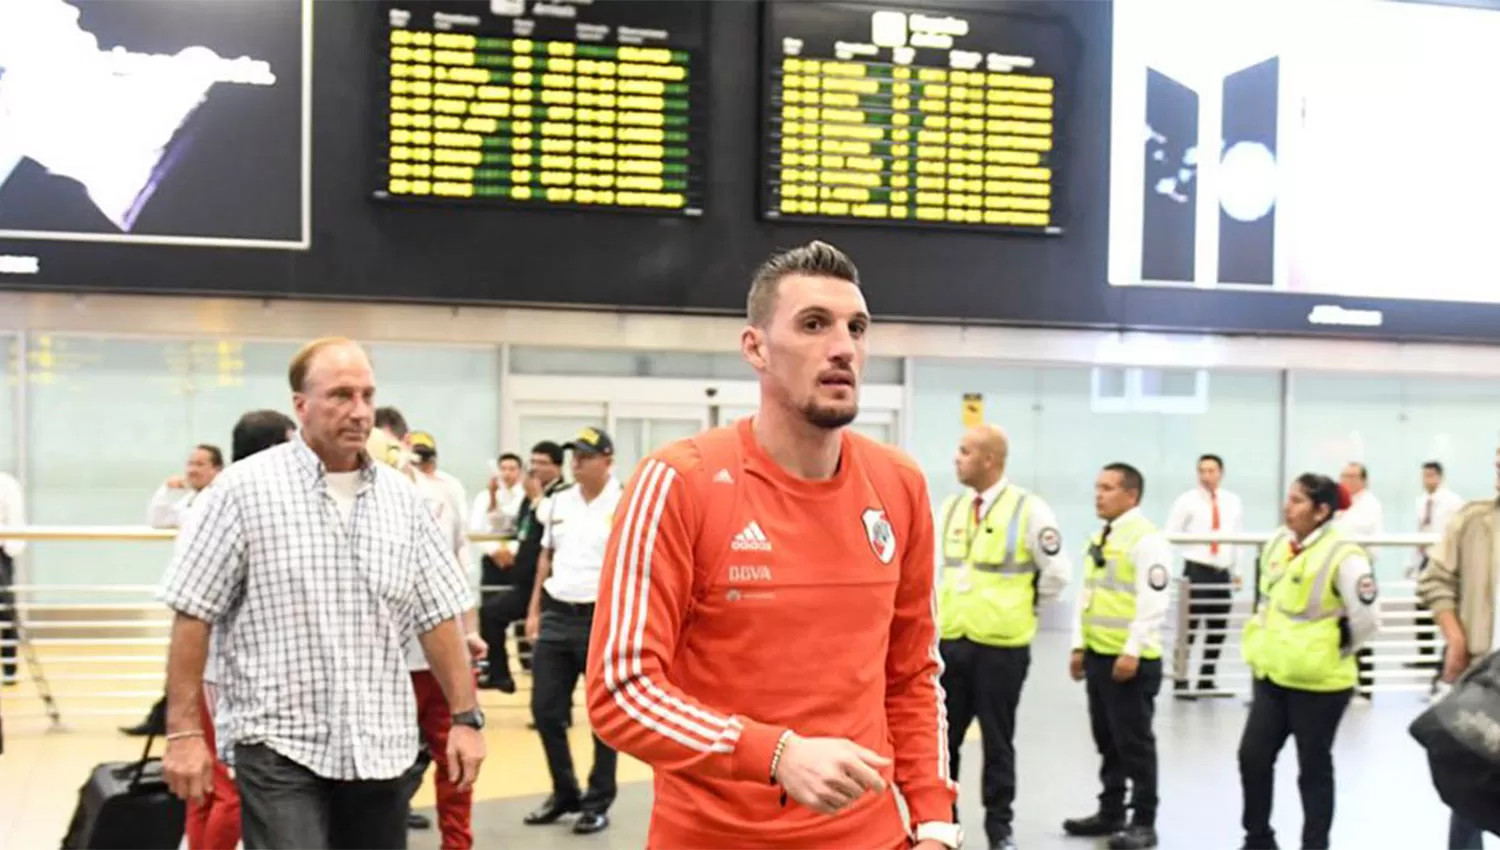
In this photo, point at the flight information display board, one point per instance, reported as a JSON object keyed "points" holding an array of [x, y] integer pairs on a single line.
{"points": [[546, 104], [879, 114]]}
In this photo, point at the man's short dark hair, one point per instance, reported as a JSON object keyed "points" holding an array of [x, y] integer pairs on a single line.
{"points": [[815, 259], [1131, 477], [215, 456], [552, 450], [1364, 472], [391, 420], [259, 430], [1435, 466], [511, 456], [1218, 461]]}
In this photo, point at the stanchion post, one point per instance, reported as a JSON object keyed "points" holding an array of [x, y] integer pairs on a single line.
{"points": [[1180, 646]]}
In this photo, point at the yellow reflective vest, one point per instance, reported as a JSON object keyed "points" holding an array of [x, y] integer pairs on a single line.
{"points": [[987, 591], [1295, 639], [1109, 580]]}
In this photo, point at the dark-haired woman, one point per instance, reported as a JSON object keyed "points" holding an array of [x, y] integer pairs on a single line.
{"points": [[1318, 607]]}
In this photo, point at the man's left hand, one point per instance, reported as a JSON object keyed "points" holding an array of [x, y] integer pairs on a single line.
{"points": [[465, 755], [478, 649], [929, 844], [1126, 667]]}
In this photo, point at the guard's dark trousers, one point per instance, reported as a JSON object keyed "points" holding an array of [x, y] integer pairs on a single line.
{"points": [[985, 682], [559, 658], [1121, 714], [1312, 719]]}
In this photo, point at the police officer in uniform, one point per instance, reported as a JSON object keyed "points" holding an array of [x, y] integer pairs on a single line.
{"points": [[1001, 556], [1117, 652], [560, 617], [1319, 607]]}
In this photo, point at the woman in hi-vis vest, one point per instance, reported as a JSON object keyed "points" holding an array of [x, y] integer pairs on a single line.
{"points": [[1318, 607]]}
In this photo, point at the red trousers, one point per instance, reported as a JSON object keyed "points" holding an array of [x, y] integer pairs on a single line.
{"points": [[214, 824], [454, 807]]}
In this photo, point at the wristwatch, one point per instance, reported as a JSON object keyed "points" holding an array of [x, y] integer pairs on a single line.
{"points": [[950, 835], [473, 718]]}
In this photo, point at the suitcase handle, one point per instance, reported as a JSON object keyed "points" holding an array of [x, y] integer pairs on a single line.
{"points": [[140, 767]]}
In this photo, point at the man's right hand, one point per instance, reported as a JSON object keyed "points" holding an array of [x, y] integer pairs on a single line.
{"points": [[828, 774], [176, 482], [533, 625], [1455, 660], [1075, 665], [188, 768]]}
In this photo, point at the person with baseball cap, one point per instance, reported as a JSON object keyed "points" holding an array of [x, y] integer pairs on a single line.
{"points": [[575, 534]]}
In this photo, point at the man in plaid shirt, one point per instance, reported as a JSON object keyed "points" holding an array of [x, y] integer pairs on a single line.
{"points": [[312, 564]]}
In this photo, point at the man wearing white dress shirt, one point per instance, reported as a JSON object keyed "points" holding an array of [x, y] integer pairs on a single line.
{"points": [[497, 507], [1365, 518], [1210, 568], [1435, 507], [172, 499]]}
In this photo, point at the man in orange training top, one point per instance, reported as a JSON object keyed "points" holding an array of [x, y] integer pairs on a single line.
{"points": [[765, 636]]}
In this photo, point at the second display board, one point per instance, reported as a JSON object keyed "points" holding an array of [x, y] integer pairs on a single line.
{"points": [[879, 115]]}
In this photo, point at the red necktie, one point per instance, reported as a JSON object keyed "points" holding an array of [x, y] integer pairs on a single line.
{"points": [[1213, 548], [978, 503], [1296, 548]]}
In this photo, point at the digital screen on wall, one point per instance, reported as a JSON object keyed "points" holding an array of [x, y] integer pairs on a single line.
{"points": [[1327, 149], [921, 116], [542, 103], [156, 121]]}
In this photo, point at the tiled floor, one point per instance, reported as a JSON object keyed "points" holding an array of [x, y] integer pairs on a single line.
{"points": [[1385, 797]]}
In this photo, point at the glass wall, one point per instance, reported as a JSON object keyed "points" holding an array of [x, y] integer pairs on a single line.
{"points": [[1393, 425], [1064, 423], [110, 419]]}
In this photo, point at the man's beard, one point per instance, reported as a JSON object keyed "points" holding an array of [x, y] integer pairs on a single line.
{"points": [[828, 418]]}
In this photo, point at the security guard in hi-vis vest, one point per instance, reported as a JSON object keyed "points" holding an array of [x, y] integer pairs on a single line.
{"points": [[1001, 556], [1117, 652], [1318, 607]]}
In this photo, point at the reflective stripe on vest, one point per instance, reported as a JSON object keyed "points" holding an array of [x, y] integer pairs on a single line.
{"points": [[1007, 565], [1300, 645], [1111, 589], [987, 593]]}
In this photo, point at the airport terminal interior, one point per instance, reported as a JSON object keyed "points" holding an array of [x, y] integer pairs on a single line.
{"points": [[1138, 232]]}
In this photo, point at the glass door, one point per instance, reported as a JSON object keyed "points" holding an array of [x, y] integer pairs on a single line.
{"points": [[639, 429], [557, 421]]}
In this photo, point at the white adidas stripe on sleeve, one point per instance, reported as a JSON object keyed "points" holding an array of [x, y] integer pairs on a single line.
{"points": [[633, 691]]}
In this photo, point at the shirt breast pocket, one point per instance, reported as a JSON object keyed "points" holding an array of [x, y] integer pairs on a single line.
{"points": [[386, 558]]}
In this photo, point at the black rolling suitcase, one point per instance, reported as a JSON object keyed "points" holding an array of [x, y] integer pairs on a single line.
{"points": [[126, 805]]}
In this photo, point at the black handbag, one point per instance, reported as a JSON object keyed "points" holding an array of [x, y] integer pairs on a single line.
{"points": [[1461, 734]]}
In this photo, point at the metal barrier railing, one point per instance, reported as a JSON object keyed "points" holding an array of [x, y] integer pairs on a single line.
{"points": [[1403, 656], [73, 635], [121, 636]]}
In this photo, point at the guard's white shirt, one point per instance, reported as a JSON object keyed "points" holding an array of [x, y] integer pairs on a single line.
{"points": [[168, 505], [576, 534], [438, 495], [1362, 609], [12, 513], [1193, 513], [1043, 538], [1151, 552], [1433, 510]]}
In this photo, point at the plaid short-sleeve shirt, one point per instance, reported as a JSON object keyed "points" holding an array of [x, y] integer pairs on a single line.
{"points": [[311, 612]]}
